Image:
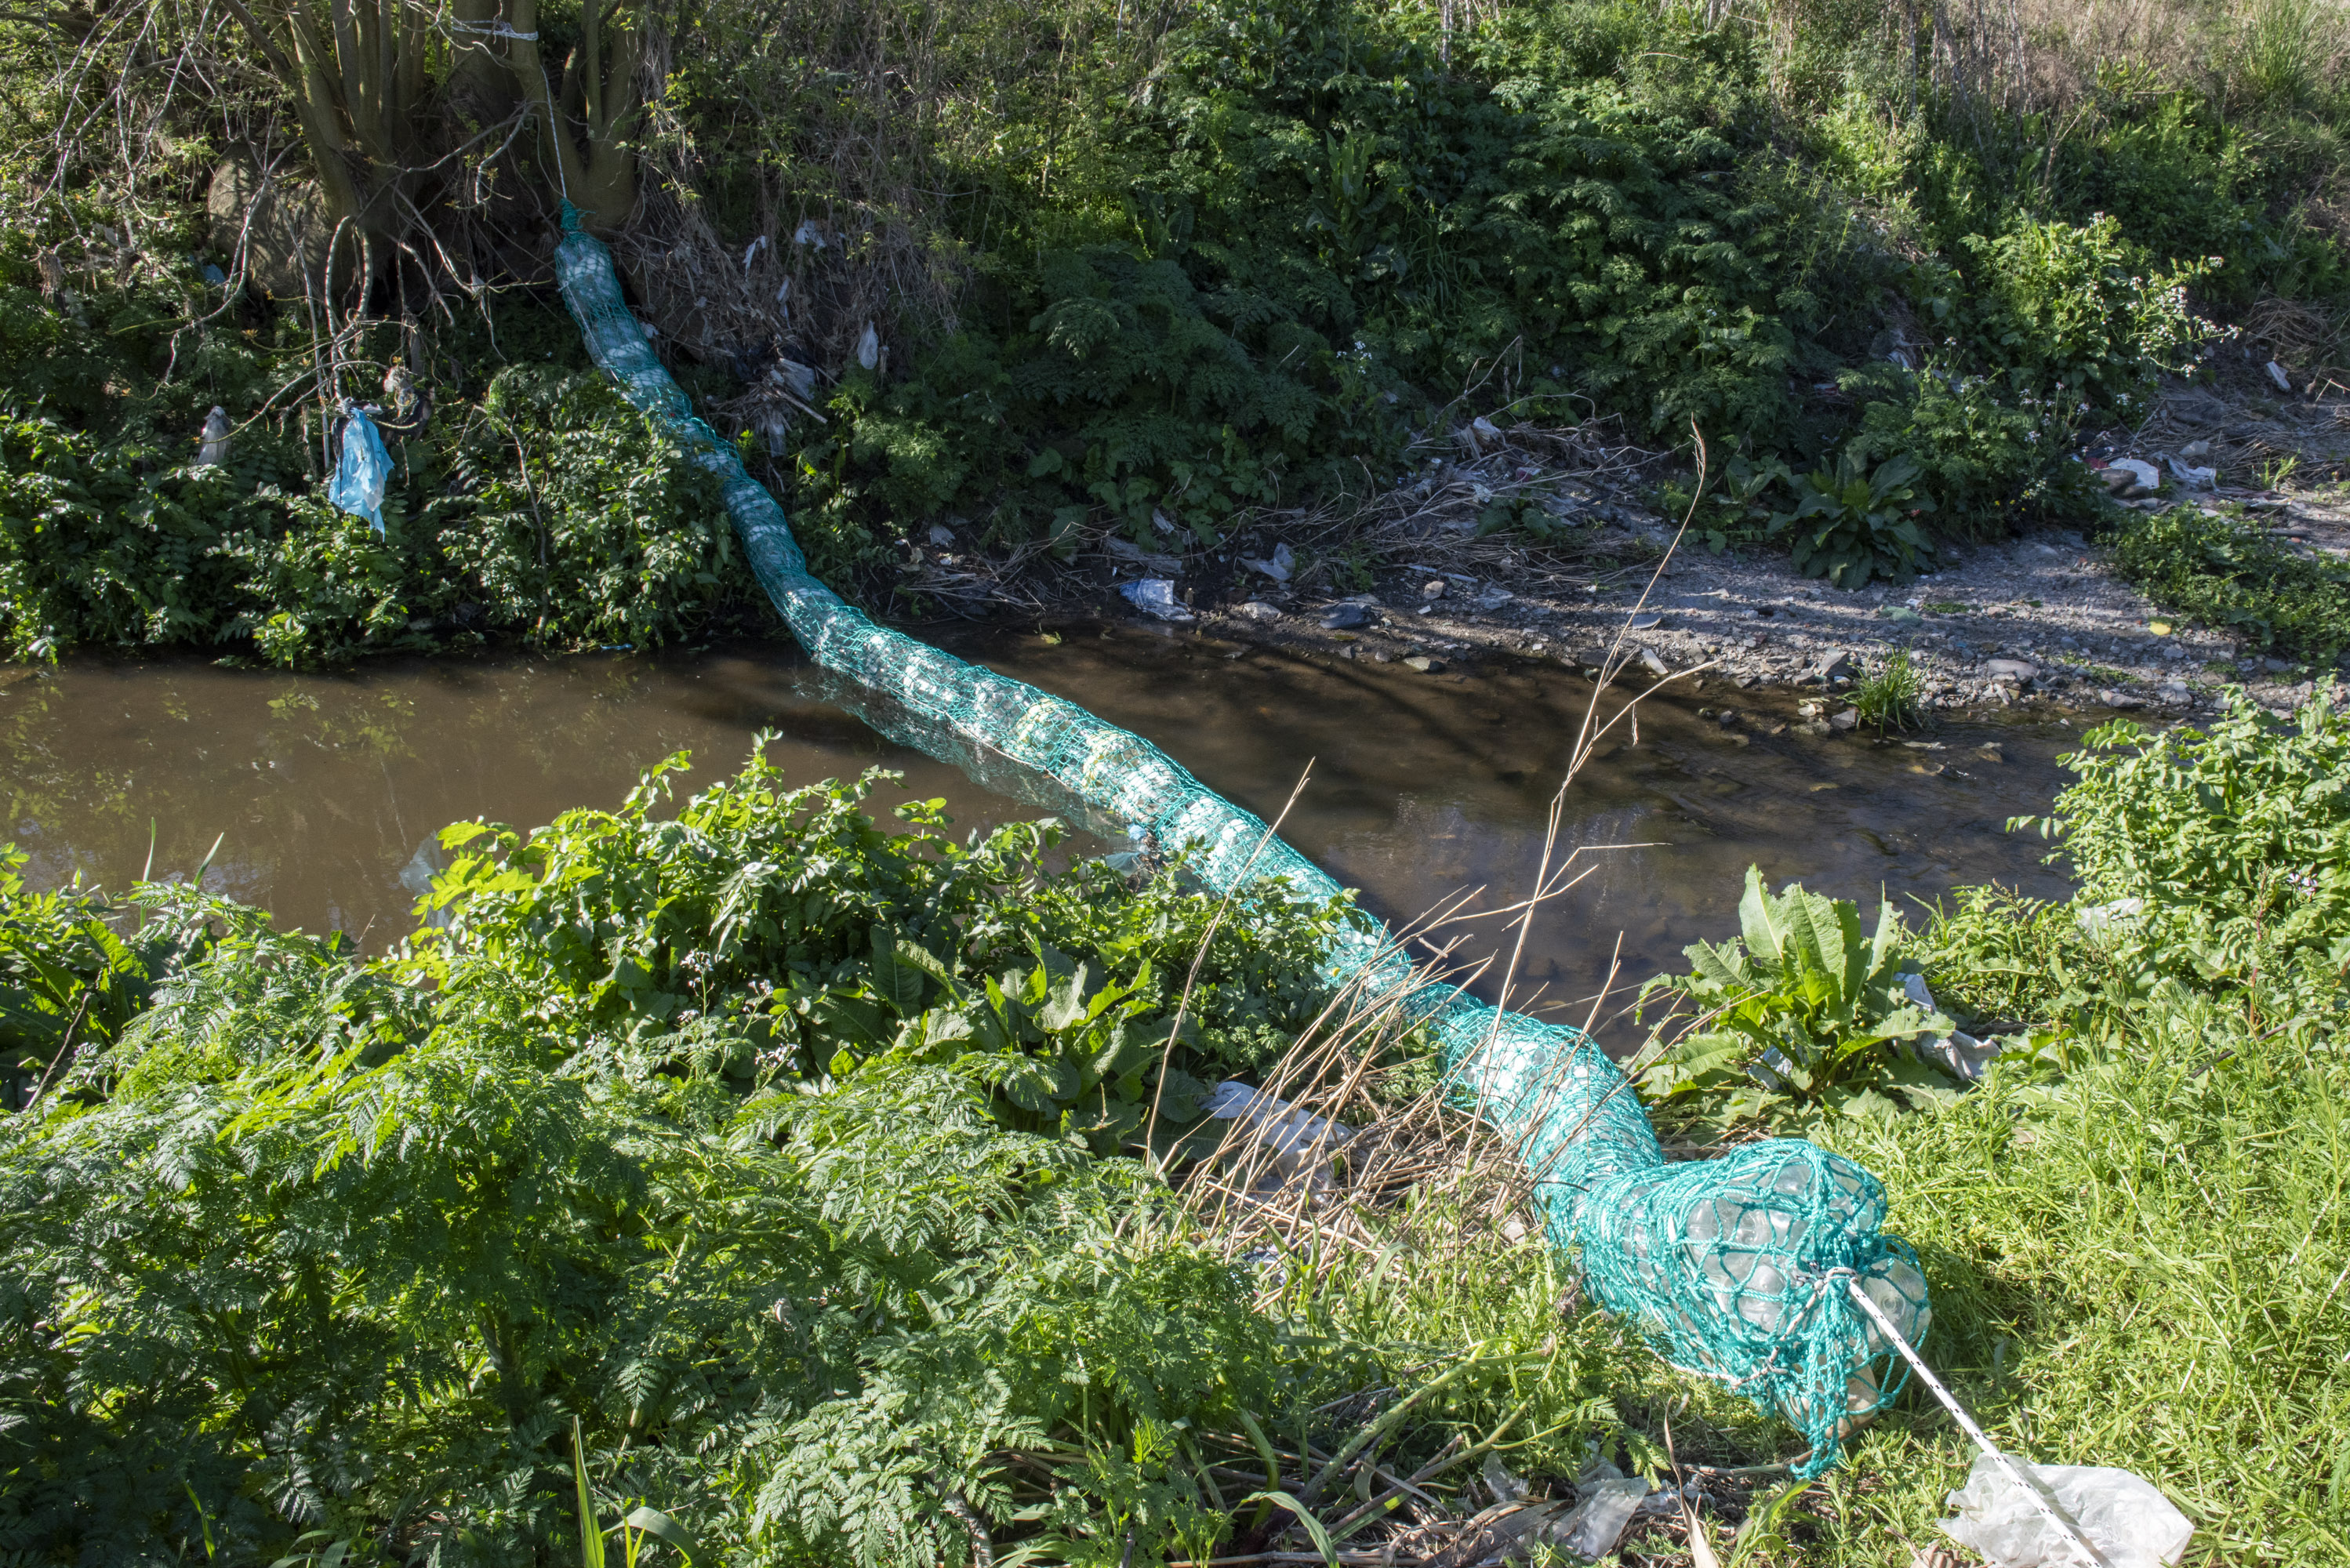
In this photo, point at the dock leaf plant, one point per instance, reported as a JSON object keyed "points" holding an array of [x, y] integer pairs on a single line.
{"points": [[1800, 1013]]}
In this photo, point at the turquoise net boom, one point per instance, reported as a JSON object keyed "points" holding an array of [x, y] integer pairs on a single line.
{"points": [[1733, 1268]]}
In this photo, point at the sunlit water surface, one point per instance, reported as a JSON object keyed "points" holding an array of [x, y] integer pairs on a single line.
{"points": [[324, 790]]}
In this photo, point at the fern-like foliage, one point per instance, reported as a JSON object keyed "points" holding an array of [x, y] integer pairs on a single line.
{"points": [[303, 1242]]}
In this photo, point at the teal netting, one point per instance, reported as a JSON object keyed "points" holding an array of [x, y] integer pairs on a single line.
{"points": [[1734, 1267]]}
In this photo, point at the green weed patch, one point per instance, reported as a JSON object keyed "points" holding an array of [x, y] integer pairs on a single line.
{"points": [[2226, 571]]}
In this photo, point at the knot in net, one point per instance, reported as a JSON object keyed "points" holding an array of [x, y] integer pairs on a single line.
{"points": [[1733, 1268]]}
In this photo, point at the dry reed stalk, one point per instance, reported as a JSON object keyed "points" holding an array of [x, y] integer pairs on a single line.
{"points": [[1435, 518]]}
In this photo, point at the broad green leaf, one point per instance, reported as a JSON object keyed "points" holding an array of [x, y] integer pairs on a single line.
{"points": [[897, 979], [1724, 965], [1065, 1002], [1851, 950], [1759, 921], [1882, 946], [1867, 1105], [653, 1521]]}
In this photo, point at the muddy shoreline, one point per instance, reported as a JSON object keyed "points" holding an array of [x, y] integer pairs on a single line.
{"points": [[2041, 620]]}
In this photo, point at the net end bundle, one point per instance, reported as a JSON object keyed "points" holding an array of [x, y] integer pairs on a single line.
{"points": [[1735, 1268]]}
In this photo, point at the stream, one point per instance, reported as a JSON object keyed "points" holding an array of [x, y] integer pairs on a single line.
{"points": [[324, 790]]}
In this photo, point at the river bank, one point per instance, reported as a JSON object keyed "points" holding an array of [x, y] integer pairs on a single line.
{"points": [[2044, 616], [2043, 619]]}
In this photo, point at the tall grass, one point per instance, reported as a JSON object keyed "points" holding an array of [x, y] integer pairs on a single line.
{"points": [[2145, 1265], [2145, 1268]]}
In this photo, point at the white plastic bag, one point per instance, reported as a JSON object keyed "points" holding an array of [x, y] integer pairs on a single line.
{"points": [[1278, 566], [1602, 1509], [1154, 596], [2129, 1519], [1299, 1142]]}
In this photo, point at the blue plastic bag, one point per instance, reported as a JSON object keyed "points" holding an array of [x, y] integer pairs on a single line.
{"points": [[364, 472]]}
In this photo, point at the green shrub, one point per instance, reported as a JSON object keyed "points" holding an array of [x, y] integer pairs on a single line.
{"points": [[1800, 1015], [335, 1250], [2221, 857], [828, 943], [752, 1140], [2004, 964], [97, 546], [1852, 523], [551, 510], [1111, 383], [2080, 315], [601, 529]]}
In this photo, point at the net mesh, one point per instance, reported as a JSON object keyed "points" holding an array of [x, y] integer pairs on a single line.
{"points": [[1733, 1268]]}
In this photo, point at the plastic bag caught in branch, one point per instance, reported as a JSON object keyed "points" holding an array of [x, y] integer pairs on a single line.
{"points": [[363, 474]]}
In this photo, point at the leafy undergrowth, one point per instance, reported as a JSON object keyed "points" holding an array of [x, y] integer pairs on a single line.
{"points": [[1180, 275], [792, 1159], [531, 503], [2230, 572], [798, 1163]]}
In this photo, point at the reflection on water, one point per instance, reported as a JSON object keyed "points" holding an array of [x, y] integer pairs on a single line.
{"points": [[329, 788]]}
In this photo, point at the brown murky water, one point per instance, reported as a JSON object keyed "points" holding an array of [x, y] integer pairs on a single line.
{"points": [[327, 787]]}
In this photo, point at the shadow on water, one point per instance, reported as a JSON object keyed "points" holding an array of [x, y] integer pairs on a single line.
{"points": [[329, 788]]}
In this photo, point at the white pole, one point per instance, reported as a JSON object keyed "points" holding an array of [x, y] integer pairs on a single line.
{"points": [[2022, 1475]]}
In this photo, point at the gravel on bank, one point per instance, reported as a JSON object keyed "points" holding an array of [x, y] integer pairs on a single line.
{"points": [[2042, 618]]}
